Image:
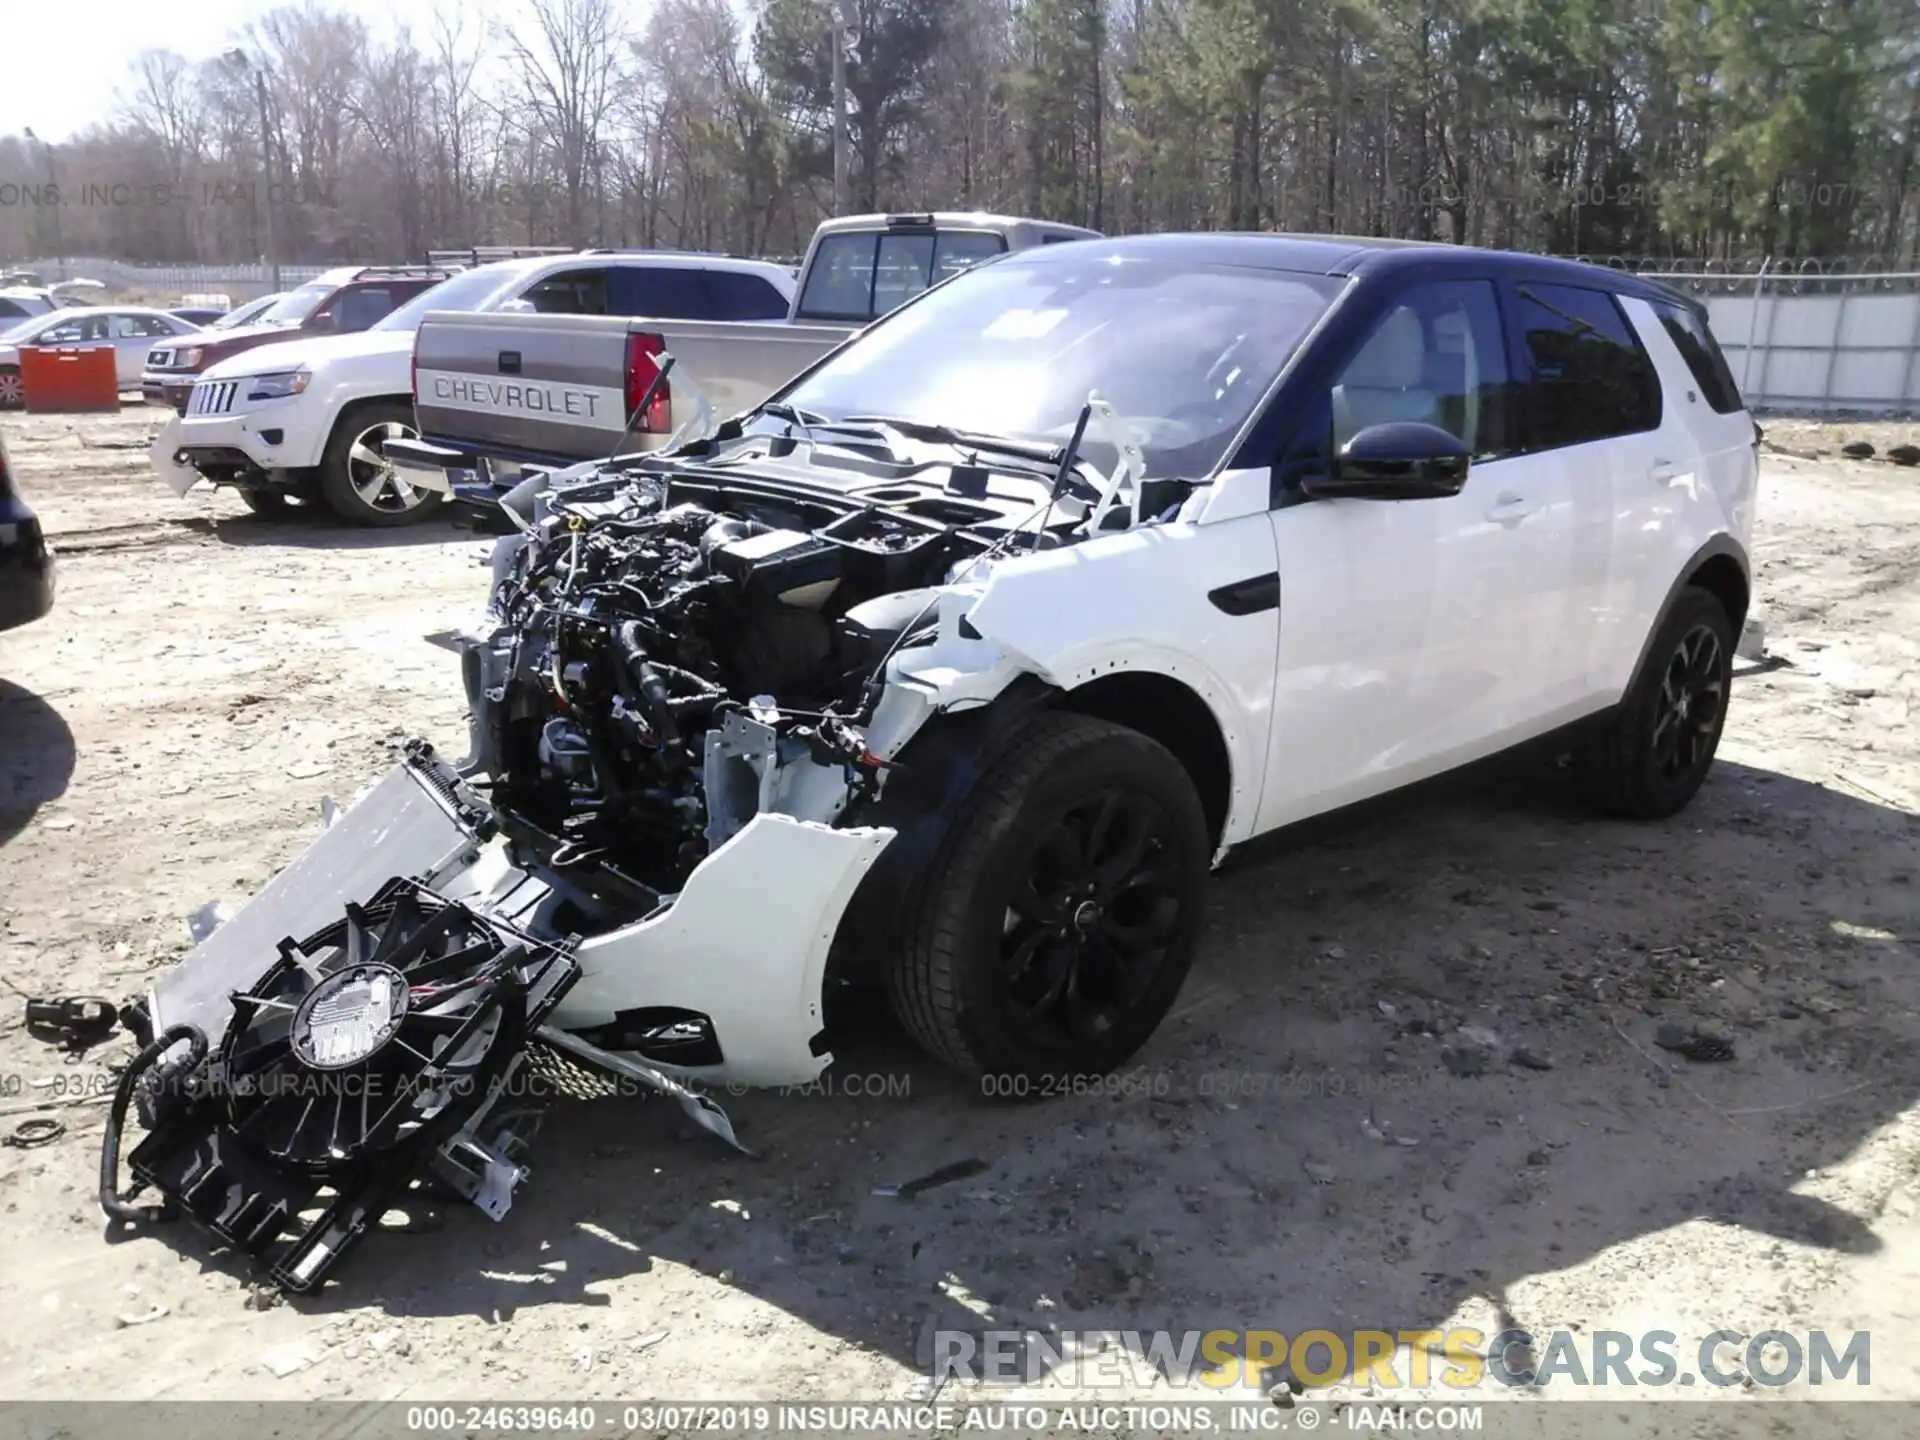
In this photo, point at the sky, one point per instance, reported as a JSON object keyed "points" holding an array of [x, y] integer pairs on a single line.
{"points": [[67, 63]]}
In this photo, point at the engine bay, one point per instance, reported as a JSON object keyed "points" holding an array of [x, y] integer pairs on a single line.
{"points": [[672, 648]]}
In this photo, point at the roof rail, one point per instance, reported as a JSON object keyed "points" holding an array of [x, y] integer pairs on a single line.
{"points": [[401, 272], [485, 254]]}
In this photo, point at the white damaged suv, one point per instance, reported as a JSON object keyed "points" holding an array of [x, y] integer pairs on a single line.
{"points": [[956, 664]]}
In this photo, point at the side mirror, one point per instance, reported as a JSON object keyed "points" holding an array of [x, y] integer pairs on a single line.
{"points": [[1401, 460], [517, 306]]}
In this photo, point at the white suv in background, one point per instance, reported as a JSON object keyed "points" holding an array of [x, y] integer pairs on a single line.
{"points": [[308, 420]]}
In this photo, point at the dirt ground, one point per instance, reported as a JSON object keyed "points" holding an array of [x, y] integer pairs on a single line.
{"points": [[1312, 1142]]}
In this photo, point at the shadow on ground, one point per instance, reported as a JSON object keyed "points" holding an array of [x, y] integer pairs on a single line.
{"points": [[36, 757], [309, 527], [1248, 1171]]}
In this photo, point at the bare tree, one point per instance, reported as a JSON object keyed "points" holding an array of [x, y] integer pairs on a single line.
{"points": [[568, 66]]}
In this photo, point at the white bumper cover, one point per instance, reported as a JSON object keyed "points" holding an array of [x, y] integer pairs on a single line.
{"points": [[744, 943]]}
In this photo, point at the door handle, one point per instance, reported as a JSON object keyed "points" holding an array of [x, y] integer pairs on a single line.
{"points": [[1511, 509], [1664, 472]]}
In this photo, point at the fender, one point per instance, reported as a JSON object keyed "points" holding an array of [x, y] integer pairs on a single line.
{"points": [[1719, 545]]}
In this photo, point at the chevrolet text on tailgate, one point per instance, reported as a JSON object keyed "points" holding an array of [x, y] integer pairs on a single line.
{"points": [[558, 388]]}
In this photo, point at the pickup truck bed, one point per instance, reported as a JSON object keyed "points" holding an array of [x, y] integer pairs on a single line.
{"points": [[552, 388], [556, 389]]}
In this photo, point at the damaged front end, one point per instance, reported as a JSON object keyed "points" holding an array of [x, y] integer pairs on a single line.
{"points": [[685, 710]]}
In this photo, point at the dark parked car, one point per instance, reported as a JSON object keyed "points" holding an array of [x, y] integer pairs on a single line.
{"points": [[26, 565], [198, 314]]}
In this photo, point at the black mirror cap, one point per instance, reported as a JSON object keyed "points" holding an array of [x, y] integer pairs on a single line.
{"points": [[1400, 460]]}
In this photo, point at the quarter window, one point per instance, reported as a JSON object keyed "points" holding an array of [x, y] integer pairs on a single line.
{"points": [[1437, 358], [1588, 377], [1687, 328], [737, 295]]}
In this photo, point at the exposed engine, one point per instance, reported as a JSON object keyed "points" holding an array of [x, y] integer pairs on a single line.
{"points": [[652, 657]]}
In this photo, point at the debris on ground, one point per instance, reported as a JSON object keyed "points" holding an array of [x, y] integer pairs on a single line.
{"points": [[1694, 1042], [207, 919], [127, 1320], [1471, 1050], [945, 1175], [284, 1360], [74, 1021]]}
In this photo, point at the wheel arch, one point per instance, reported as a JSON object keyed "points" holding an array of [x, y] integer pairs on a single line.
{"points": [[361, 402], [1721, 568], [939, 766], [1174, 714]]}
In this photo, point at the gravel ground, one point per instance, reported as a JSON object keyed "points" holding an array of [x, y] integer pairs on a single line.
{"points": [[1414, 1080]]}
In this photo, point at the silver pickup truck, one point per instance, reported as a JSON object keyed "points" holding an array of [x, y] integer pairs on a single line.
{"points": [[554, 389]]}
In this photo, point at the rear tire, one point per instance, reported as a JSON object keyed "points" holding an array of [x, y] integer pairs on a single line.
{"points": [[1656, 751], [1060, 916], [12, 394], [357, 482]]}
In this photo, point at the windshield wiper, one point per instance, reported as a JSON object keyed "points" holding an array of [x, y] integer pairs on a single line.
{"points": [[801, 420], [967, 439]]}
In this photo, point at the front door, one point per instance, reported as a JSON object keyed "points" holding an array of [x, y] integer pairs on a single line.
{"points": [[1410, 629]]}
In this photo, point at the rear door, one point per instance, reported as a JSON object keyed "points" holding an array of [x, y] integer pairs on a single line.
{"points": [[1591, 409]]}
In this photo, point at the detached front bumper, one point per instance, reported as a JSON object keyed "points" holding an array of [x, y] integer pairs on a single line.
{"points": [[744, 944], [217, 448]]}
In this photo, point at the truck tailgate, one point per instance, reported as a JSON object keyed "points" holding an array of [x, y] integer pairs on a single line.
{"points": [[553, 387]]}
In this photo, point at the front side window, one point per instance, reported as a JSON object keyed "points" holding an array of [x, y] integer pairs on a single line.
{"points": [[1437, 358], [1184, 352], [1588, 378], [571, 292], [81, 330]]}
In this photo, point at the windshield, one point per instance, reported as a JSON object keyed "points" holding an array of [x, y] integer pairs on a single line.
{"points": [[296, 305], [1183, 351], [17, 330], [245, 315], [473, 290]]}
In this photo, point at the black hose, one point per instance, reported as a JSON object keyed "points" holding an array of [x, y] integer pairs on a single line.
{"points": [[653, 689], [116, 1205]]}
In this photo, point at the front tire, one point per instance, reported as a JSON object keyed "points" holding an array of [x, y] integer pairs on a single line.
{"points": [[1656, 751], [12, 394], [1062, 911], [358, 482]]}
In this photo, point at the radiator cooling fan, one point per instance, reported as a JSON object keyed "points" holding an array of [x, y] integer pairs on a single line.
{"points": [[361, 1051]]}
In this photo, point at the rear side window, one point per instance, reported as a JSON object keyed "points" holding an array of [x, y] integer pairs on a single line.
{"points": [[740, 296], [1687, 328], [861, 277], [1588, 377], [659, 292]]}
